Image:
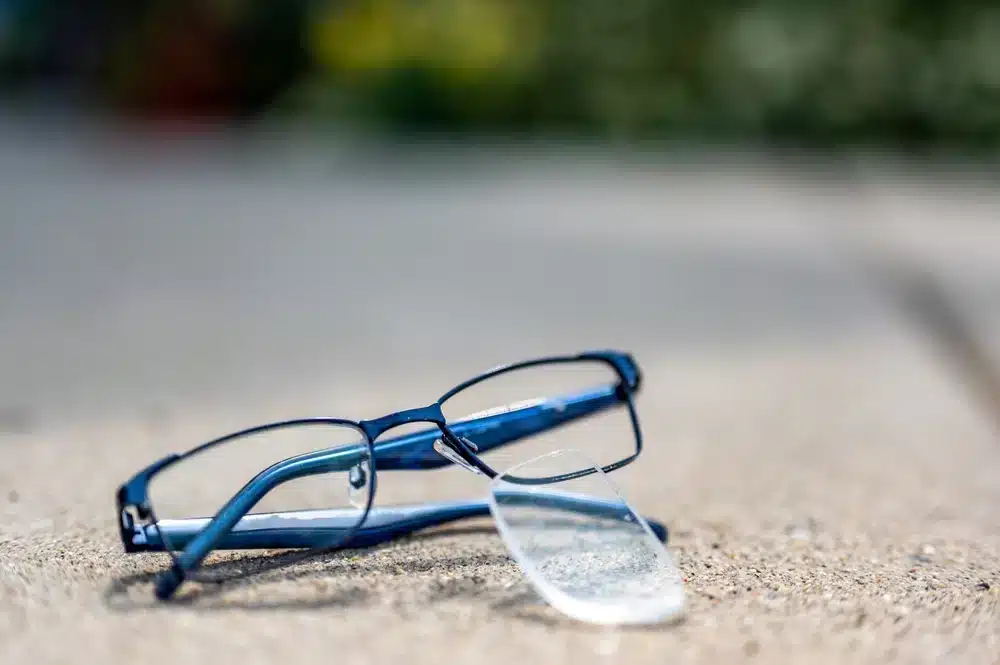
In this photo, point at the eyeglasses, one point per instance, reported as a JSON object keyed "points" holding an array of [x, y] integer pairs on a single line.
{"points": [[586, 551]]}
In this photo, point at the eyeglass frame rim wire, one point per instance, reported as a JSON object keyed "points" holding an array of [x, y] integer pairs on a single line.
{"points": [[133, 501]]}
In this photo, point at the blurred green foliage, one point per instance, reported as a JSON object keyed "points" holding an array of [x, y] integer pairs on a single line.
{"points": [[889, 71]]}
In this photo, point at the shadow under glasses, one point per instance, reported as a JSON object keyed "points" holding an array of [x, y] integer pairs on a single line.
{"points": [[493, 580]]}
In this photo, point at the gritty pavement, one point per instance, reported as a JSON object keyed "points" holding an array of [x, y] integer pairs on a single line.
{"points": [[831, 485]]}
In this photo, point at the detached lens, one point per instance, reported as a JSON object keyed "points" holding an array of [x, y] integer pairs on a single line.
{"points": [[588, 553]]}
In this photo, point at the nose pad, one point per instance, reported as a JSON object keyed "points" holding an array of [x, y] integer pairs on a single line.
{"points": [[444, 451], [357, 482]]}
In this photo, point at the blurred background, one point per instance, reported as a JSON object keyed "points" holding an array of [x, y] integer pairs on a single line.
{"points": [[902, 75], [275, 207], [215, 213]]}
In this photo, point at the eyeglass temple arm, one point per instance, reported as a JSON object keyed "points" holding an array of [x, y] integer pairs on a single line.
{"points": [[313, 528], [415, 451], [495, 430], [342, 458]]}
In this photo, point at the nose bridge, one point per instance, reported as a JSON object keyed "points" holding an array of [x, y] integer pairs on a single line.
{"points": [[426, 414]]}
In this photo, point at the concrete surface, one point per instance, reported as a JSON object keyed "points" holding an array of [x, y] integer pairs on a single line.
{"points": [[832, 487]]}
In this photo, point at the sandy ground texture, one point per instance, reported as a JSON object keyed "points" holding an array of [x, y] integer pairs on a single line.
{"points": [[832, 487]]}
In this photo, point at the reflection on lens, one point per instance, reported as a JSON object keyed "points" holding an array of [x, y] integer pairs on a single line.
{"points": [[325, 491], [556, 405], [587, 552]]}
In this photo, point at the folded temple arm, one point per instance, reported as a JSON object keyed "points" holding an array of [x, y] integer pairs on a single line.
{"points": [[313, 528], [415, 451], [412, 452]]}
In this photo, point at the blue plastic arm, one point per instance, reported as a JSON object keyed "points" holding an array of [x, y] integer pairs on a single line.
{"points": [[411, 451], [489, 431], [403, 453], [416, 451], [313, 528], [342, 458]]}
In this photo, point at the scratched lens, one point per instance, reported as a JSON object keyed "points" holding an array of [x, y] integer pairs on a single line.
{"points": [[585, 550]]}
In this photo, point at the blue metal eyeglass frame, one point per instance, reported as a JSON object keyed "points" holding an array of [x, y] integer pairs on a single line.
{"points": [[142, 532]]}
